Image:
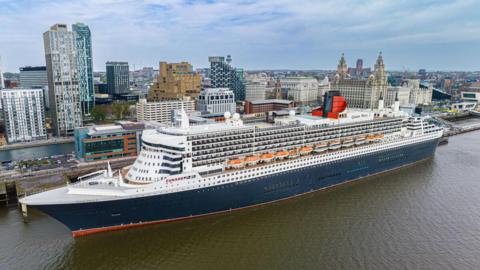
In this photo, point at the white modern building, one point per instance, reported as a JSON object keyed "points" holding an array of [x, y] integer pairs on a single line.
{"points": [[63, 79], [216, 100], [255, 90], [24, 114], [301, 89], [162, 111], [470, 96]]}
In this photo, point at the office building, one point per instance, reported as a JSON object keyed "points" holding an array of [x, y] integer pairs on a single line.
{"points": [[63, 84], [118, 78], [175, 81], [83, 42], [303, 90], [361, 92], [162, 111], [216, 101], [223, 75], [255, 90], [24, 114], [267, 105], [123, 139], [35, 77]]}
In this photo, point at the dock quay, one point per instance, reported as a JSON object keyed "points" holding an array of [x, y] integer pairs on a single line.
{"points": [[27, 182]]}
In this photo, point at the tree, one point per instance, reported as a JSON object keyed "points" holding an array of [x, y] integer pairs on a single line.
{"points": [[119, 110], [98, 113]]}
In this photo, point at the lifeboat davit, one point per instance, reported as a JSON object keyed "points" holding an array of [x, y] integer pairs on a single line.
{"points": [[347, 143], [334, 145], [267, 157], [360, 140], [251, 160], [281, 154], [321, 147], [235, 163], [306, 150]]}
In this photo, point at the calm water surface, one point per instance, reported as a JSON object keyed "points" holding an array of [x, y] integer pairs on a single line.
{"points": [[37, 152], [423, 217]]}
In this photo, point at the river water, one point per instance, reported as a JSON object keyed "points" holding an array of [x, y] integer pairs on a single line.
{"points": [[426, 216], [37, 152]]}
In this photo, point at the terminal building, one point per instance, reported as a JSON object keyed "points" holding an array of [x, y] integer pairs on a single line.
{"points": [[123, 139]]}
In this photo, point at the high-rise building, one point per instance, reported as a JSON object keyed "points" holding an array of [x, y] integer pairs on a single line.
{"points": [[63, 85], [83, 42], [360, 92], [162, 111], [175, 81], [35, 77], [303, 90], [223, 75], [2, 83], [216, 101], [118, 78], [24, 114]]}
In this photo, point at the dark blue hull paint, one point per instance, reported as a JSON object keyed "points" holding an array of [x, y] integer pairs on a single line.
{"points": [[226, 197]]}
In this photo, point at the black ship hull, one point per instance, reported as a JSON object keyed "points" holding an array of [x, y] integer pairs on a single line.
{"points": [[93, 217]]}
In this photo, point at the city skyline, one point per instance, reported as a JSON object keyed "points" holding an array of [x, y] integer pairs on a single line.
{"points": [[435, 35]]}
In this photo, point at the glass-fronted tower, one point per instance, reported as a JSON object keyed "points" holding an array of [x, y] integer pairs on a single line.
{"points": [[223, 75], [117, 78], [83, 42]]}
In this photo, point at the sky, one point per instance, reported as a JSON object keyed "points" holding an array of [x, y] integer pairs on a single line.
{"points": [[269, 34]]}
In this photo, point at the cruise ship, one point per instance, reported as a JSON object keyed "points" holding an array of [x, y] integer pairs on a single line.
{"points": [[185, 171]]}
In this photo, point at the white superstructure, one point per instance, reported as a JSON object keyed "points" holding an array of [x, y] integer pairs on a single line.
{"points": [[184, 157]]}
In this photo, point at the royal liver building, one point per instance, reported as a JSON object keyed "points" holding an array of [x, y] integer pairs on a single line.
{"points": [[361, 92]]}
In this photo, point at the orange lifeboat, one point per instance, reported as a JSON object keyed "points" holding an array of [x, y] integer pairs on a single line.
{"points": [[306, 150], [293, 153], [267, 157], [371, 137], [235, 163], [252, 160], [281, 154]]}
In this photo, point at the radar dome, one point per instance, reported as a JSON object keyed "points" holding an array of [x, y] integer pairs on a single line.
{"points": [[227, 115], [236, 116], [291, 113]]}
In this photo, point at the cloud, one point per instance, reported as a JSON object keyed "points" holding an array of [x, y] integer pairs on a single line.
{"points": [[259, 34]]}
